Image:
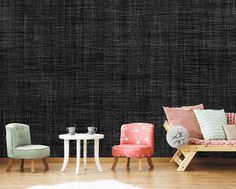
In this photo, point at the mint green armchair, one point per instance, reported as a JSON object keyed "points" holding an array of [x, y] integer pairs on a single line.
{"points": [[19, 146]]}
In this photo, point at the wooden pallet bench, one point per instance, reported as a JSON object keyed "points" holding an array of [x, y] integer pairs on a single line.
{"points": [[185, 154]]}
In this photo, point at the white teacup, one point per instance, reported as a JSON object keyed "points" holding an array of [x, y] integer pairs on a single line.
{"points": [[71, 130], [92, 130]]}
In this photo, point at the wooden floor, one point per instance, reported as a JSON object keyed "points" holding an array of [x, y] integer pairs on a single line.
{"points": [[200, 174]]}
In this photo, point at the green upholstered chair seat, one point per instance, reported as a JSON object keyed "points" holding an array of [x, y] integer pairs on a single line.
{"points": [[31, 152]]}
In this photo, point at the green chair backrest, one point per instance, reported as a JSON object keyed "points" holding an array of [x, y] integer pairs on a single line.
{"points": [[17, 134]]}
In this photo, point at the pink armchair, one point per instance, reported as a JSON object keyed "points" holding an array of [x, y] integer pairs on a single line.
{"points": [[136, 141]]}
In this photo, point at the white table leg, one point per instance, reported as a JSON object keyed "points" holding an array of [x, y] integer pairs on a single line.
{"points": [[96, 154], [77, 156], [85, 154], [66, 154]]}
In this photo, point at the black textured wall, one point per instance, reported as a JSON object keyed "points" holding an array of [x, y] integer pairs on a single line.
{"points": [[104, 63]]}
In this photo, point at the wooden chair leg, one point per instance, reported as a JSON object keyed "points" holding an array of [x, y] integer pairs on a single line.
{"points": [[149, 160], [32, 165], [128, 162], [185, 162], [22, 165], [114, 163], [10, 164], [140, 164], [45, 162]]}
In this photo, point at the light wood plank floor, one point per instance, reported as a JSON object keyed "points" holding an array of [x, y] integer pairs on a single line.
{"points": [[200, 175]]}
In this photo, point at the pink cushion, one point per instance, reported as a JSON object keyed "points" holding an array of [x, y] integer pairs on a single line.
{"points": [[231, 118], [131, 150], [185, 117], [197, 141]]}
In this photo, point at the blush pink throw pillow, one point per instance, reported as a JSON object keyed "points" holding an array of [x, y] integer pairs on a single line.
{"points": [[185, 117]]}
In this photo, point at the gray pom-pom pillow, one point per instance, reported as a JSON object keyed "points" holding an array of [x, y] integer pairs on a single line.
{"points": [[177, 136]]}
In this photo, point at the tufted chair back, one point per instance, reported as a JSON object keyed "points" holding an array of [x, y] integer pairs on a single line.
{"points": [[137, 133], [17, 134]]}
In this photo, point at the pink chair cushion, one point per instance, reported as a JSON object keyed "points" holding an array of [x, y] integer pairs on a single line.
{"points": [[132, 150], [136, 140], [185, 117]]}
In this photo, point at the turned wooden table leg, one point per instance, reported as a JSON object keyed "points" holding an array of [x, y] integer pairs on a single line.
{"points": [[114, 163], [10, 164], [22, 161]]}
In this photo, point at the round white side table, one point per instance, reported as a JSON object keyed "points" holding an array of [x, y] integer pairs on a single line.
{"points": [[78, 137]]}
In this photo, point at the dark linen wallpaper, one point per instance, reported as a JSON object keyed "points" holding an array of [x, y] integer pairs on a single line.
{"points": [[107, 62]]}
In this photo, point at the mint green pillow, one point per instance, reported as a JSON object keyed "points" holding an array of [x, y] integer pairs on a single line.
{"points": [[211, 123]]}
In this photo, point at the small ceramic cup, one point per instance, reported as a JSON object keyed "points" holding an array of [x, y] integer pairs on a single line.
{"points": [[71, 130], [92, 130]]}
